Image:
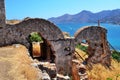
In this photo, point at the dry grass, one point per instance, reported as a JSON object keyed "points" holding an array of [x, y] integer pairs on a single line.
{"points": [[15, 64], [101, 73], [13, 22], [81, 53]]}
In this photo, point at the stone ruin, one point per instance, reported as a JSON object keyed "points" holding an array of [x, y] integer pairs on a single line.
{"points": [[55, 45], [98, 48], [2, 13]]}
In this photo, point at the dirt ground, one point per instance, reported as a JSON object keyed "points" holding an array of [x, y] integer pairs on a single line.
{"points": [[15, 64]]}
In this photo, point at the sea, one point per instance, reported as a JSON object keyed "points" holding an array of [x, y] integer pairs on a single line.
{"points": [[113, 31]]}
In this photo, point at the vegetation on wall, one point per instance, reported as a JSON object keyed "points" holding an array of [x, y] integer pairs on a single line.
{"points": [[81, 47], [116, 77], [116, 55], [35, 37]]}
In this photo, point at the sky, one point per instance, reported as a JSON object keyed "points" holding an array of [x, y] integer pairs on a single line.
{"points": [[19, 9]]}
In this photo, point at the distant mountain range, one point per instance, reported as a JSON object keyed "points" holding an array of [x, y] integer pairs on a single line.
{"points": [[106, 16]]}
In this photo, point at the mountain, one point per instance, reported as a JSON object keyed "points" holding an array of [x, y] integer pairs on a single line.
{"points": [[106, 16]]}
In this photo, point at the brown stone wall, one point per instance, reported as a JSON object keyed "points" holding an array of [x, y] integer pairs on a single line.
{"points": [[64, 50], [19, 34], [2, 13], [97, 44], [90, 33], [75, 70]]}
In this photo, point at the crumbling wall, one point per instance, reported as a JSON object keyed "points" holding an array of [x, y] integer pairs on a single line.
{"points": [[2, 13], [19, 34], [98, 49], [65, 48], [78, 71]]}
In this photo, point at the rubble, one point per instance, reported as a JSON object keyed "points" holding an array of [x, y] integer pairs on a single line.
{"points": [[79, 70]]}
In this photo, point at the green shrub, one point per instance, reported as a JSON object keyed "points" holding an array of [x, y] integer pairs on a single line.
{"points": [[109, 79], [35, 37], [83, 48], [116, 55], [116, 76]]}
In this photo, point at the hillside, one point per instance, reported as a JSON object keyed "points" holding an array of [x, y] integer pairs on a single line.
{"points": [[106, 16], [99, 72], [15, 64]]}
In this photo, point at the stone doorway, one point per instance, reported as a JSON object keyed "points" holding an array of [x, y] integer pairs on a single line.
{"points": [[42, 49], [47, 53]]}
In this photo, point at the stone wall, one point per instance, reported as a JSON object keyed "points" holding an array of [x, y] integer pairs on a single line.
{"points": [[19, 34], [98, 49], [65, 48], [2, 13]]}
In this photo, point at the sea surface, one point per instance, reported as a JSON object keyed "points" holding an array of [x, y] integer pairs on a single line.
{"points": [[113, 31]]}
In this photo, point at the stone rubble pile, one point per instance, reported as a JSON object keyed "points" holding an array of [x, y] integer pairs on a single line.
{"points": [[79, 70]]}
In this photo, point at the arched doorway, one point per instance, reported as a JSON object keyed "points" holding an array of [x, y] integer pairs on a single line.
{"points": [[19, 34], [41, 48], [47, 30], [97, 44]]}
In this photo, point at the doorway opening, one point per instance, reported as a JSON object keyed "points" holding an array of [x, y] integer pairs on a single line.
{"points": [[42, 49]]}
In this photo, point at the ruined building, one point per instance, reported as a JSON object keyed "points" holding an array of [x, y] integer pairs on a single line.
{"points": [[98, 48], [55, 44], [2, 13]]}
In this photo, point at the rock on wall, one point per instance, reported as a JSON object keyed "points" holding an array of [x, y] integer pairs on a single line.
{"points": [[98, 49]]}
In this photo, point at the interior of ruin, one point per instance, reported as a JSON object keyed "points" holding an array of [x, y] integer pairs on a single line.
{"points": [[44, 51]]}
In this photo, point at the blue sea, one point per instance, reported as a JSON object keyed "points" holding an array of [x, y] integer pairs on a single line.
{"points": [[113, 31]]}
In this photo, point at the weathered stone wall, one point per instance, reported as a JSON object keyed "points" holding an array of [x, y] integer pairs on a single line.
{"points": [[65, 48], [2, 13], [78, 70], [98, 48], [91, 33], [19, 34]]}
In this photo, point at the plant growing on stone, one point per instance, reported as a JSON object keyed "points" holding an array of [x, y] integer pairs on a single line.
{"points": [[109, 79], [116, 55], [116, 77], [83, 48], [35, 37]]}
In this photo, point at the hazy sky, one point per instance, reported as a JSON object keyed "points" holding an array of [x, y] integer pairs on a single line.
{"points": [[19, 9]]}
